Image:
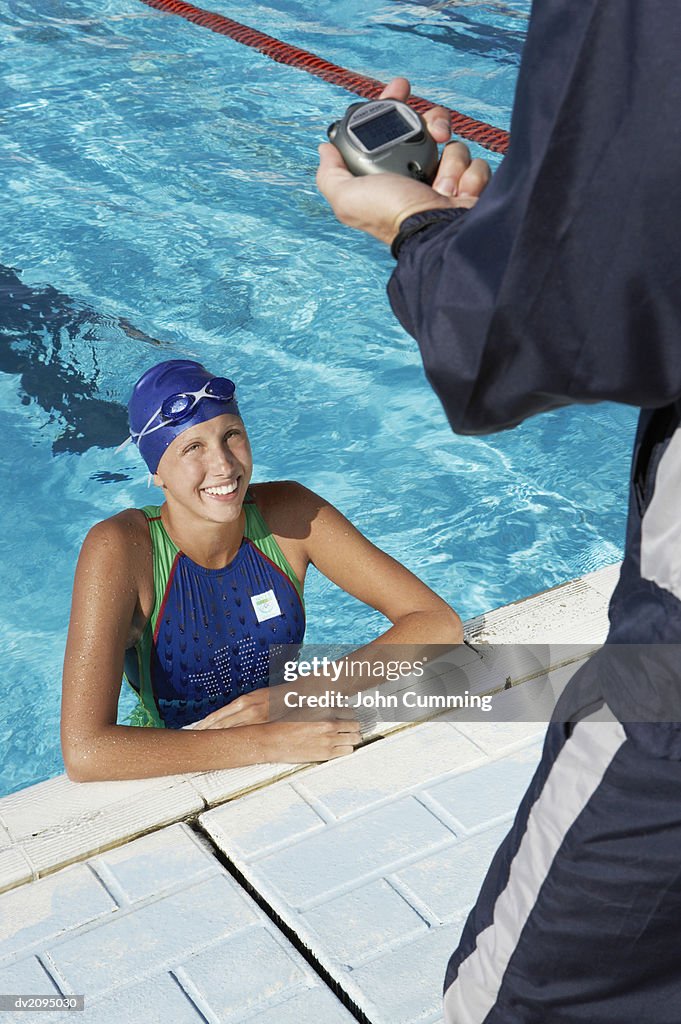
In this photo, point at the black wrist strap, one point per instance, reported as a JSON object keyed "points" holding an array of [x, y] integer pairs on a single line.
{"points": [[419, 222]]}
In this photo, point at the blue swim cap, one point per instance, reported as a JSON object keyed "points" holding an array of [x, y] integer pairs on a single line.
{"points": [[190, 395]]}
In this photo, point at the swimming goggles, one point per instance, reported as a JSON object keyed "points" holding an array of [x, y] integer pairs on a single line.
{"points": [[176, 408]]}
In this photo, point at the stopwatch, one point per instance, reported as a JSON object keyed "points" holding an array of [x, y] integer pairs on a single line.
{"points": [[385, 135]]}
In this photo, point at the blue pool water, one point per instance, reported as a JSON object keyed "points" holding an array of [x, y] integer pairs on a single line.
{"points": [[158, 201]]}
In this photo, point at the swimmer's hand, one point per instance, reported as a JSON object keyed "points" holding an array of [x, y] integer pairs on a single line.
{"points": [[379, 203], [293, 742], [259, 706], [301, 742], [286, 742], [250, 709]]}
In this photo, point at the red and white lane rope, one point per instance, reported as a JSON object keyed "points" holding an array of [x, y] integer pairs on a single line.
{"points": [[486, 135]]}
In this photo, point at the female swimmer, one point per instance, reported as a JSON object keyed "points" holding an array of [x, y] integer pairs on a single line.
{"points": [[190, 599]]}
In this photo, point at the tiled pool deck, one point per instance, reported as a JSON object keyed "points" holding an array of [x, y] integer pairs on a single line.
{"points": [[284, 894]]}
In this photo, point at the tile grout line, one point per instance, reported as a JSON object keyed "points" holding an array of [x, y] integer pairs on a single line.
{"points": [[282, 926]]}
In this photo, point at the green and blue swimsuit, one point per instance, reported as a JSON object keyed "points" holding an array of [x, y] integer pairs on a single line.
{"points": [[213, 633]]}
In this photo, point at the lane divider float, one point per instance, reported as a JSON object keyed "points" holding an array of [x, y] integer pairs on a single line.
{"points": [[486, 135]]}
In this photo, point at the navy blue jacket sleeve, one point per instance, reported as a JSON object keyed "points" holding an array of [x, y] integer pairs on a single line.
{"points": [[563, 284]]}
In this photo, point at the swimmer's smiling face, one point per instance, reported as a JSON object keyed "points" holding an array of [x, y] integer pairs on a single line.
{"points": [[207, 469]]}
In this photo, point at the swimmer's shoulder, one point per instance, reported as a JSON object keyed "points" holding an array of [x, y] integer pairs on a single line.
{"points": [[116, 559], [126, 527], [122, 539], [285, 503]]}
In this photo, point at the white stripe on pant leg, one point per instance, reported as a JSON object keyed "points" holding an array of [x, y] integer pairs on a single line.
{"points": [[572, 781]]}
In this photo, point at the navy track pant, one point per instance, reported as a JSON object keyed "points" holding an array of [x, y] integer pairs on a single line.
{"points": [[579, 917]]}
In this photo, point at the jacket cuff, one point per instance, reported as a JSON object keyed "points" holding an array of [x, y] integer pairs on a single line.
{"points": [[419, 222]]}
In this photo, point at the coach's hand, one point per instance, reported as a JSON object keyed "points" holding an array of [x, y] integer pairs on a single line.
{"points": [[378, 203]]}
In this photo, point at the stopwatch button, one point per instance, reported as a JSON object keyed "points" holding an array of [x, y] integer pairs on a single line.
{"points": [[331, 131]]}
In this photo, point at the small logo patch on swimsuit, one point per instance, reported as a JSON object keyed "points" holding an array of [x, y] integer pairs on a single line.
{"points": [[265, 606]]}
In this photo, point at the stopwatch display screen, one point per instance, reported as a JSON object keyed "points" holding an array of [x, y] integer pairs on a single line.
{"points": [[387, 127]]}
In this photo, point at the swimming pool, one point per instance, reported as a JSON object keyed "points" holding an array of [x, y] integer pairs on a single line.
{"points": [[159, 201]]}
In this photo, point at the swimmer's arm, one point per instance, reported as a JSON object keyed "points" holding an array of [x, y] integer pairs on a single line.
{"points": [[345, 556], [94, 747]]}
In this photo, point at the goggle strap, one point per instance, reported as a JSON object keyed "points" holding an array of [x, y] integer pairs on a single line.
{"points": [[123, 445]]}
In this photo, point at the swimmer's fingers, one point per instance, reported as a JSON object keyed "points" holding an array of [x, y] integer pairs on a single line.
{"points": [[344, 732], [340, 751], [250, 709], [346, 737], [313, 741], [437, 118]]}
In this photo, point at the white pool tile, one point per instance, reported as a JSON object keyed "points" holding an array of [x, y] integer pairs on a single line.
{"points": [[386, 768], [363, 922], [349, 853], [43, 910], [234, 978], [134, 944], [168, 859], [261, 821]]}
